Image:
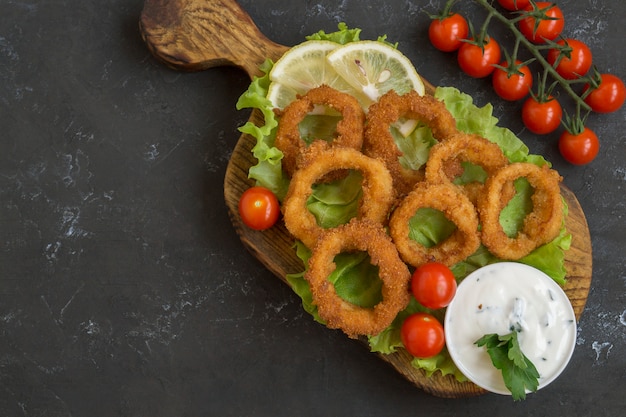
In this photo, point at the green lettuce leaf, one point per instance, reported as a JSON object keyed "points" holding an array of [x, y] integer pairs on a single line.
{"points": [[355, 280], [480, 120], [342, 36], [389, 341], [300, 286], [429, 226], [415, 147], [268, 171], [336, 203], [441, 362]]}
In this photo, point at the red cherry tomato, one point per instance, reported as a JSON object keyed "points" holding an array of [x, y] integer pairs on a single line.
{"points": [[422, 335], [579, 148], [574, 66], [513, 5], [479, 62], [609, 96], [433, 285], [446, 34], [549, 28], [514, 86], [541, 117], [259, 208]]}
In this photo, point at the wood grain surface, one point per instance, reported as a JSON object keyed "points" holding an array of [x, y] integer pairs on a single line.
{"points": [[194, 35]]}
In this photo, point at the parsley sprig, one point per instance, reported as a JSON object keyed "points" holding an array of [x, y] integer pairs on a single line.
{"points": [[518, 371]]}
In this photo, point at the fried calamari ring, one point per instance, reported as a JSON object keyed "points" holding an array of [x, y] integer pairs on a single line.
{"points": [[320, 159], [445, 158], [391, 107], [348, 133], [457, 208], [540, 226], [367, 236]]}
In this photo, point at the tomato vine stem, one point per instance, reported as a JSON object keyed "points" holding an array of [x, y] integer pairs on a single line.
{"points": [[534, 50]]}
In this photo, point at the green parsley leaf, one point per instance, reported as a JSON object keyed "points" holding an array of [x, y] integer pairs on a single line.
{"points": [[518, 372]]}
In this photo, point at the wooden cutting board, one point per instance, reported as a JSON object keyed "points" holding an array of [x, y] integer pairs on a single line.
{"points": [[193, 35]]}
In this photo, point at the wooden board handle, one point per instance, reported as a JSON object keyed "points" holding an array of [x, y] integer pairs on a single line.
{"points": [[193, 35]]}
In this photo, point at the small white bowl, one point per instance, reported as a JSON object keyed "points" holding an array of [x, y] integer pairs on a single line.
{"points": [[498, 298]]}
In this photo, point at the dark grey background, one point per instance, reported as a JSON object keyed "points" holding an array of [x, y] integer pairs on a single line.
{"points": [[124, 290]]}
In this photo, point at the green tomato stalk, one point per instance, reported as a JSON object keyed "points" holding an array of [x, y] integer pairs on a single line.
{"points": [[535, 50]]}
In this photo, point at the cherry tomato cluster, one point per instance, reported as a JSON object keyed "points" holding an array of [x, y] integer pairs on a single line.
{"points": [[433, 285], [537, 26]]}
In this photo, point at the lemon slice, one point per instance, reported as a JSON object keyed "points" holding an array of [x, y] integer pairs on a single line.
{"points": [[406, 126], [304, 67], [373, 68], [280, 95]]}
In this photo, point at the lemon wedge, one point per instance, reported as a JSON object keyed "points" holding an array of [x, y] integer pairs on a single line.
{"points": [[373, 68]]}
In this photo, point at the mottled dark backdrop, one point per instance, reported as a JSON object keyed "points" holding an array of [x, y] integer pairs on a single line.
{"points": [[124, 290]]}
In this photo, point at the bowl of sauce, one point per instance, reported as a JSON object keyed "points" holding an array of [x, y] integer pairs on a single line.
{"points": [[504, 297]]}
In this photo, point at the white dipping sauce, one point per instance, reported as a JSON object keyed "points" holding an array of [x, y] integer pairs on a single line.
{"points": [[508, 296]]}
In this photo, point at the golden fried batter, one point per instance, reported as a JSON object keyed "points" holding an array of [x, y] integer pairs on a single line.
{"points": [[379, 142], [540, 226], [318, 160], [370, 237], [457, 208], [349, 130], [463, 147]]}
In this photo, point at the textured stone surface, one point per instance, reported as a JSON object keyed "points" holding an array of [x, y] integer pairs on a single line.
{"points": [[124, 290]]}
